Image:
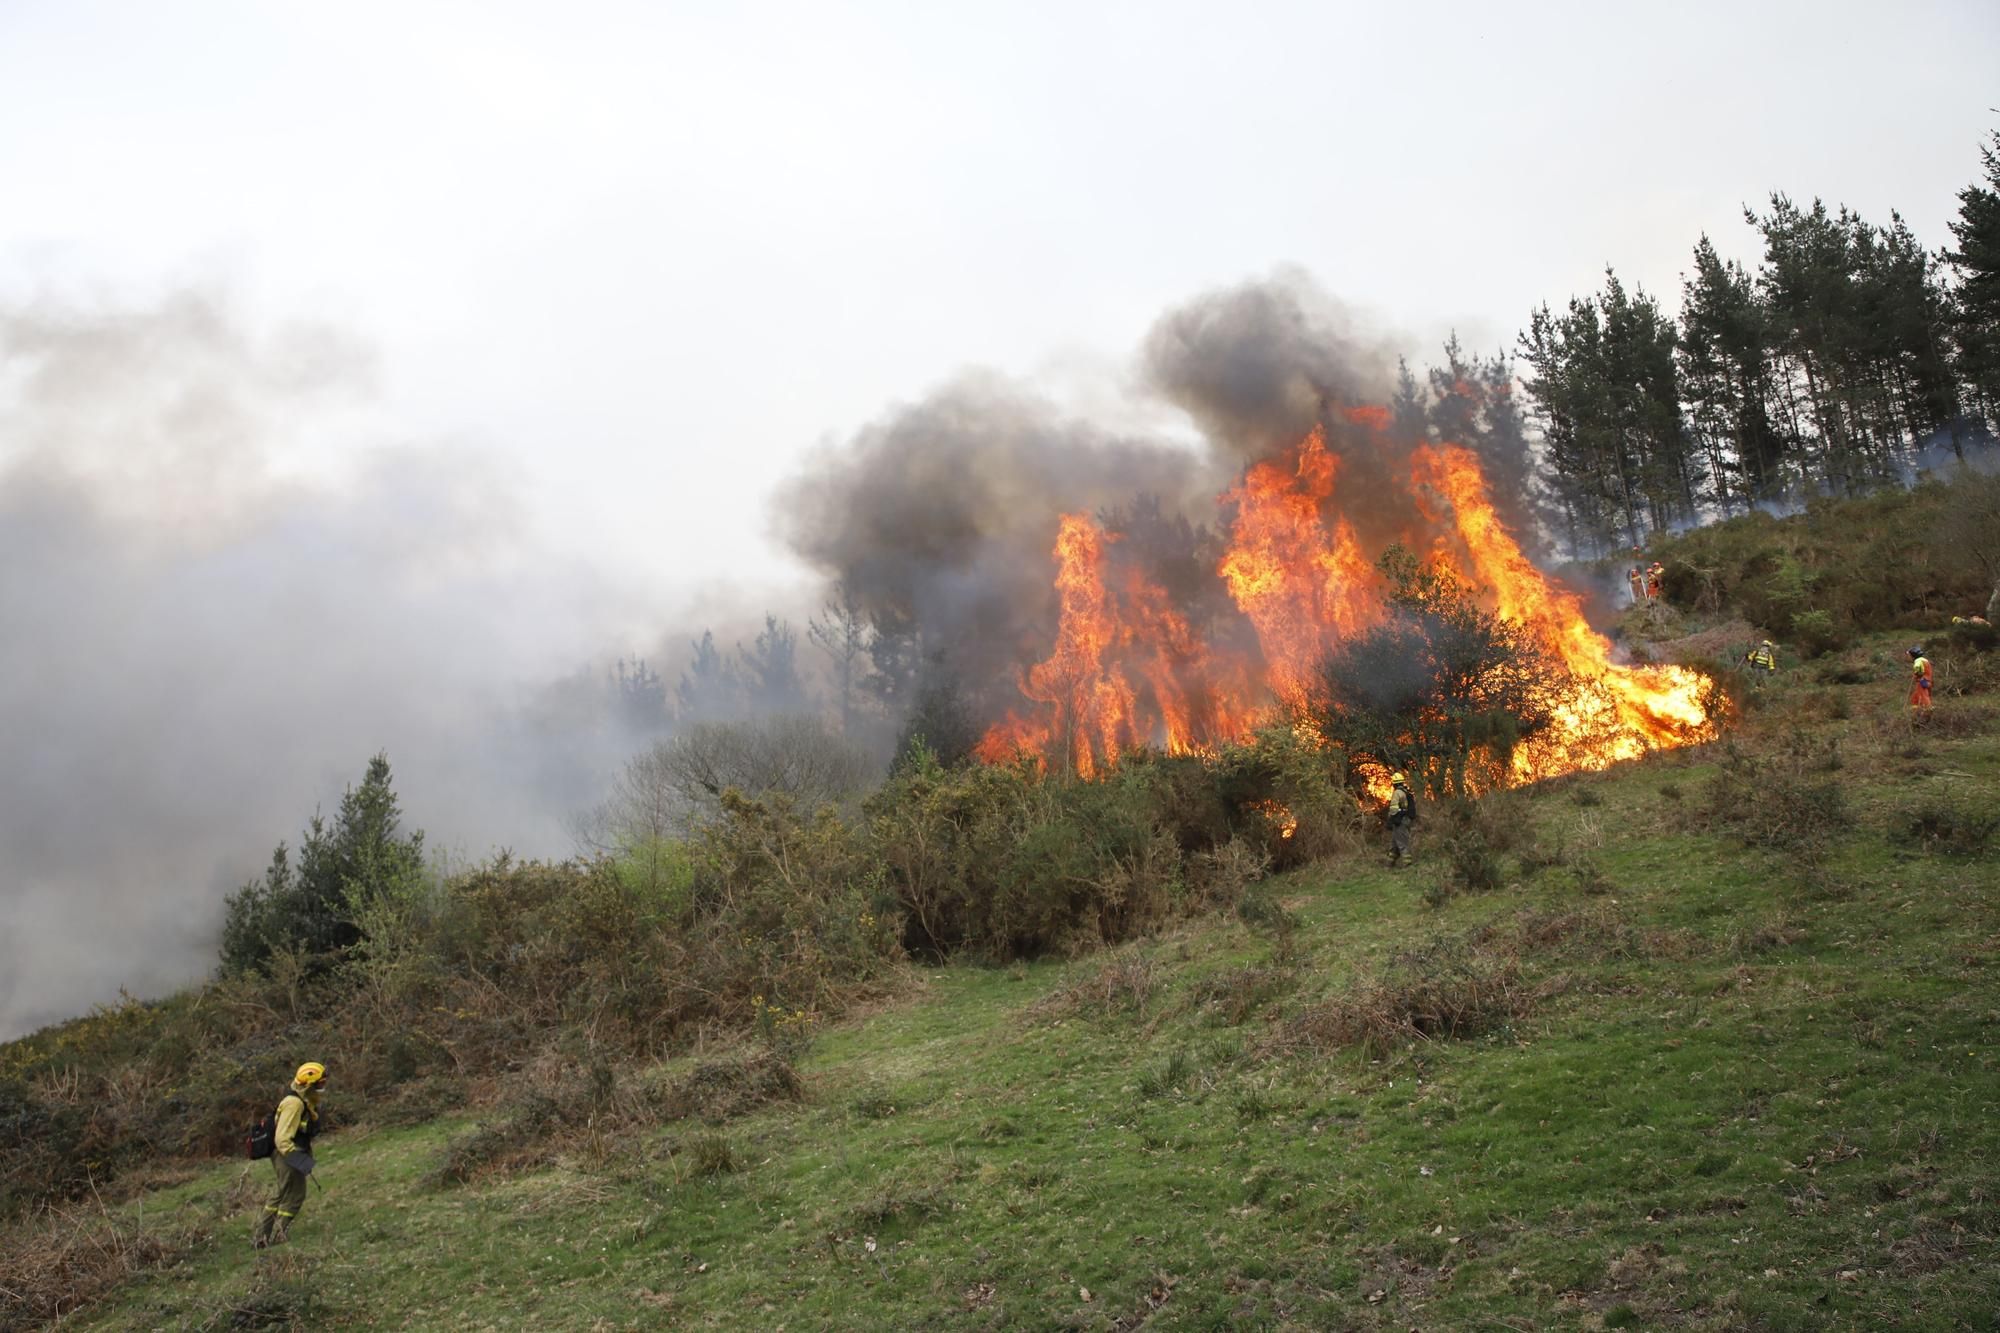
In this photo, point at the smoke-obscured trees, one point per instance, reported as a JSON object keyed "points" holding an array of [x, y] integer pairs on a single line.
{"points": [[841, 631], [1969, 529], [677, 784], [1440, 689], [312, 907]]}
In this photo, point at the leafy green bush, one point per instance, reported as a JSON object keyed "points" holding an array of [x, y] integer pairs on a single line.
{"points": [[1816, 633]]}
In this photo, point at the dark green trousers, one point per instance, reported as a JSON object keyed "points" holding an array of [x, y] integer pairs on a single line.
{"points": [[284, 1205]]}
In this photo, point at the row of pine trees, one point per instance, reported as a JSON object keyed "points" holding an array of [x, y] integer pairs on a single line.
{"points": [[1846, 357]]}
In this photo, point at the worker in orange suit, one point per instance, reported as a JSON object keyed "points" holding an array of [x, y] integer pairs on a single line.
{"points": [[1920, 683], [1653, 578]]}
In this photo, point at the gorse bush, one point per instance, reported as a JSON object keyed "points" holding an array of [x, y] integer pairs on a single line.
{"points": [[1008, 862]]}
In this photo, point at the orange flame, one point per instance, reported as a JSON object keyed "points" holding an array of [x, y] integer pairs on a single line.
{"points": [[1621, 711], [1127, 670], [1301, 586]]}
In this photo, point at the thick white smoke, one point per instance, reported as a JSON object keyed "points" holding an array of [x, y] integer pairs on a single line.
{"points": [[201, 645]]}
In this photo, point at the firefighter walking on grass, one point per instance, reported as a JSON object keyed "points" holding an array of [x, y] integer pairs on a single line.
{"points": [[1762, 661], [296, 1122], [1402, 813], [1920, 683]]}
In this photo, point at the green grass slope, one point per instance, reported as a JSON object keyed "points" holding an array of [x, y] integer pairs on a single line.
{"points": [[1718, 1053]]}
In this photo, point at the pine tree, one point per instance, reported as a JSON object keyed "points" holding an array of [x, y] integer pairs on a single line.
{"points": [[842, 632], [1606, 396], [313, 906], [1726, 378], [709, 690], [1976, 312], [768, 671]]}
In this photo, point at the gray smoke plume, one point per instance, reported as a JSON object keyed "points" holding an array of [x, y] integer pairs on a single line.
{"points": [[1257, 365], [942, 515], [199, 650]]}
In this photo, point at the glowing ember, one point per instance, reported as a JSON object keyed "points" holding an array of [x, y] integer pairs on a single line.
{"points": [[1280, 816], [1127, 670]]}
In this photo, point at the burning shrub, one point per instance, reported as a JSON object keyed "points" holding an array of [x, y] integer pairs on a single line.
{"points": [[1284, 795], [1441, 688]]}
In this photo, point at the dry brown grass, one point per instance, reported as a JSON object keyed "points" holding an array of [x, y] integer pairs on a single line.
{"points": [[64, 1257], [720, 1090], [1234, 995], [1449, 989], [1123, 984]]}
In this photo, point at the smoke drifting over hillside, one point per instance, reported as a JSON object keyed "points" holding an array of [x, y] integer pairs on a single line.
{"points": [[940, 515], [199, 649], [204, 644]]}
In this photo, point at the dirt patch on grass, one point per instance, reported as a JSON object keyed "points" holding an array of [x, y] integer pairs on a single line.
{"points": [[1725, 641]]}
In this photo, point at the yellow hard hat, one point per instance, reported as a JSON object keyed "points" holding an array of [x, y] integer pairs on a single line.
{"points": [[1396, 778], [311, 1072]]}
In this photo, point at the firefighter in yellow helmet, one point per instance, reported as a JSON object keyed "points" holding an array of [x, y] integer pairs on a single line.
{"points": [[291, 1152], [1762, 661], [1402, 814]]}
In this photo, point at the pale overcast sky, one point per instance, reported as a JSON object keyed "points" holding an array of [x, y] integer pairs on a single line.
{"points": [[652, 251], [365, 367]]}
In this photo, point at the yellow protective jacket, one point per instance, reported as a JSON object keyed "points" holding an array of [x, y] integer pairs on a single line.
{"points": [[1920, 670], [300, 1104], [1401, 805], [1764, 658]]}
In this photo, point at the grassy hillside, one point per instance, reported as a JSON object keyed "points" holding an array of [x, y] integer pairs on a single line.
{"points": [[1718, 1052]]}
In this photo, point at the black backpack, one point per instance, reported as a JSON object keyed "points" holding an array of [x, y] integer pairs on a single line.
{"points": [[262, 1140]]}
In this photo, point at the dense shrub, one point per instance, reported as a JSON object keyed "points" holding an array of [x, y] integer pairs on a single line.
{"points": [[1874, 562], [1939, 821], [1778, 802], [1012, 861]]}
